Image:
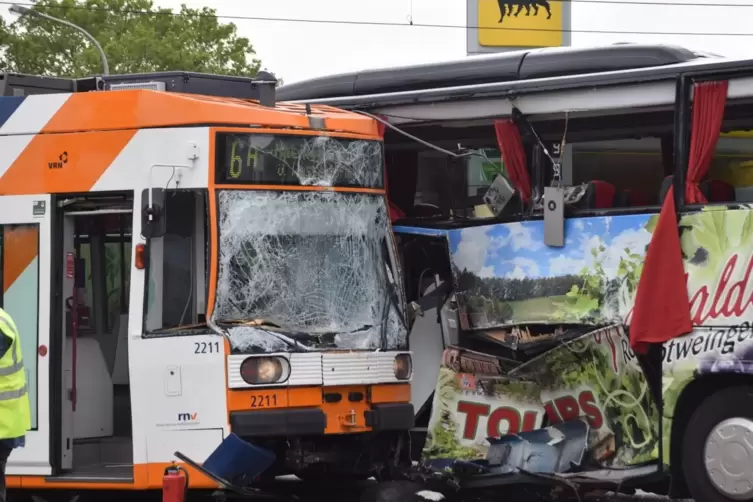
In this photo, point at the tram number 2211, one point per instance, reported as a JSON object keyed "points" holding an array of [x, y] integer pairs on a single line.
{"points": [[206, 347]]}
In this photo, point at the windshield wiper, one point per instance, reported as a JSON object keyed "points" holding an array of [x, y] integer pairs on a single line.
{"points": [[254, 323], [365, 327]]}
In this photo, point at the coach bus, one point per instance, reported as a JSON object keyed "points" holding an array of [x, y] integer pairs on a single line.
{"points": [[624, 319]]}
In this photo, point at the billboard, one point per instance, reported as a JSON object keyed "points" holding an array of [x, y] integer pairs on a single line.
{"points": [[500, 25]]}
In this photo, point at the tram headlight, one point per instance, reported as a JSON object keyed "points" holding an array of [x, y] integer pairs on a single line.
{"points": [[403, 367], [265, 370]]}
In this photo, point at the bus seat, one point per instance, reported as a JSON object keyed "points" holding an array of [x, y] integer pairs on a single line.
{"points": [[631, 198], [424, 210], [665, 185], [623, 199], [638, 199], [718, 191], [599, 195]]}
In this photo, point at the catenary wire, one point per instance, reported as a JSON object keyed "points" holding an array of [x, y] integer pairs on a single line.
{"points": [[430, 25], [510, 2]]}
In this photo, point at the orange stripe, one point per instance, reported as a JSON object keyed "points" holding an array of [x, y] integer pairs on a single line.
{"points": [[139, 109], [88, 157], [212, 254], [21, 246], [391, 393], [294, 397]]}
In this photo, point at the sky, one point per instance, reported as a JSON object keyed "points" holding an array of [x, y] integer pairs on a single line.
{"points": [[297, 51]]}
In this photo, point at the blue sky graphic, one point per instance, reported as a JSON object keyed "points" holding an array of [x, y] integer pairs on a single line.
{"points": [[518, 250]]}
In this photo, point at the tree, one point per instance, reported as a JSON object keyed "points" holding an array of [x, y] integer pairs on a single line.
{"points": [[135, 35]]}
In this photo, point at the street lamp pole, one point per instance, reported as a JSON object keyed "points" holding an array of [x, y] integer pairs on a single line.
{"points": [[20, 10]]}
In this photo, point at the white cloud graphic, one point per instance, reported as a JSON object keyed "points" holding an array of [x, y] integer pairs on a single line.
{"points": [[565, 265], [517, 273], [526, 265], [518, 237], [487, 272], [633, 239], [471, 252]]}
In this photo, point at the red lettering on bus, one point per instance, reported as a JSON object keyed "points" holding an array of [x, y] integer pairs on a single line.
{"points": [[587, 403], [509, 415], [551, 413], [563, 408], [472, 411], [568, 408], [730, 299]]}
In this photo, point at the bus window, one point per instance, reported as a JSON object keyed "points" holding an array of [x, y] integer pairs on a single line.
{"points": [[730, 177], [19, 252], [620, 165], [176, 285]]}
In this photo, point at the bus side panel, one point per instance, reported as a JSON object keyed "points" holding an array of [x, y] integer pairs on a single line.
{"points": [[589, 377], [179, 400], [717, 245]]}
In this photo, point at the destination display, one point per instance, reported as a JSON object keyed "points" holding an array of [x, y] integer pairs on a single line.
{"points": [[265, 159]]}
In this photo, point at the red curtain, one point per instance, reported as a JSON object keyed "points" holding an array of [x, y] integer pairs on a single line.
{"points": [[709, 99], [514, 157], [395, 212], [662, 306]]}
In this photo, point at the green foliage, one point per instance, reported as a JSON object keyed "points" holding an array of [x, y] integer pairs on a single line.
{"points": [[674, 383], [136, 37], [442, 442], [710, 237], [623, 395], [584, 301]]}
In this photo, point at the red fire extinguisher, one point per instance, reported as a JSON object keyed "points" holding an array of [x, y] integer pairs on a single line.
{"points": [[174, 484]]}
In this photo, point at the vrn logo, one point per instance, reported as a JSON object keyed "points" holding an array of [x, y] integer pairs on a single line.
{"points": [[61, 161], [187, 417]]}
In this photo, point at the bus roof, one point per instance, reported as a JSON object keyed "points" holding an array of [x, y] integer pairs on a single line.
{"points": [[501, 67], [160, 99], [540, 70], [142, 109]]}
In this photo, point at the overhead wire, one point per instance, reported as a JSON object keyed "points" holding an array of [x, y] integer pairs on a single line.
{"points": [[414, 24]]}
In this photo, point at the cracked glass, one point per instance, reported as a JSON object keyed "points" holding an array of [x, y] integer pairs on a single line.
{"points": [[313, 267]]}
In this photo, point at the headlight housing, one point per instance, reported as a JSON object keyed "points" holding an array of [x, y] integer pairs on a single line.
{"points": [[403, 367], [265, 370]]}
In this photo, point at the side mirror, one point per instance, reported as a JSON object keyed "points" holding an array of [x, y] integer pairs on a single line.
{"points": [[153, 222]]}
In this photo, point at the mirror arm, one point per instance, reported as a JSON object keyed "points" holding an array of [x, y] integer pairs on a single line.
{"points": [[150, 211]]}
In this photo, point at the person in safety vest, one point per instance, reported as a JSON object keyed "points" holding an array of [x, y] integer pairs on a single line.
{"points": [[15, 416]]}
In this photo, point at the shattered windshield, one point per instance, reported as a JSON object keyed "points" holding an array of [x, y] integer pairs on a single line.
{"points": [[313, 266]]}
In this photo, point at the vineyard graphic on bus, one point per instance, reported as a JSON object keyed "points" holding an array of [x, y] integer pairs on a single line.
{"points": [[508, 282], [589, 377]]}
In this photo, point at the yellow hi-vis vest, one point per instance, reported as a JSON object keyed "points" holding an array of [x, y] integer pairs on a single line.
{"points": [[15, 416]]}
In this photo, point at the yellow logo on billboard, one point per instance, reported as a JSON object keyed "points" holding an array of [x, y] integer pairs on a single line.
{"points": [[520, 23]]}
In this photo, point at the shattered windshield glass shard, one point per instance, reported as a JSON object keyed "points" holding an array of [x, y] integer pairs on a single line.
{"points": [[328, 162], [309, 262], [249, 339]]}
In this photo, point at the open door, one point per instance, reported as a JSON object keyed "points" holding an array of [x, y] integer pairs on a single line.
{"points": [[25, 248]]}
